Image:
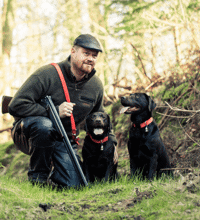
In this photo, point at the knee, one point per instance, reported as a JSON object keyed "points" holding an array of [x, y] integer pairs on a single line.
{"points": [[45, 126], [42, 125], [42, 131]]}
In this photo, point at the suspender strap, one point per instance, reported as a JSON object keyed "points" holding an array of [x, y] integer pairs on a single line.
{"points": [[67, 97]]}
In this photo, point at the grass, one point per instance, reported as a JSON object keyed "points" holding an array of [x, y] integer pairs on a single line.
{"points": [[118, 200]]}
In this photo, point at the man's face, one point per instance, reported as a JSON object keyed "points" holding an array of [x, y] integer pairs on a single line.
{"points": [[83, 60]]}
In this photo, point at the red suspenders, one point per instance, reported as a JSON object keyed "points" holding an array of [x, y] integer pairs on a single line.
{"points": [[66, 92]]}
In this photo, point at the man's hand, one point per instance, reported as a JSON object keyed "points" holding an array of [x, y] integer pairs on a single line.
{"points": [[65, 109]]}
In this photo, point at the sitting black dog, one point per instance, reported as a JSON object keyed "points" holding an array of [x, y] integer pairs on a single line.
{"points": [[146, 149], [99, 149]]}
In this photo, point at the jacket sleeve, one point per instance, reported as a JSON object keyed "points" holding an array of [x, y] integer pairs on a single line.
{"points": [[26, 101]]}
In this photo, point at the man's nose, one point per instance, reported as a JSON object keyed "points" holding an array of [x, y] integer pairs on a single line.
{"points": [[90, 58]]}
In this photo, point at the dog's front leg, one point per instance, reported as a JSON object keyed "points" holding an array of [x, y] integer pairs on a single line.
{"points": [[133, 166], [153, 166], [87, 172], [110, 174]]}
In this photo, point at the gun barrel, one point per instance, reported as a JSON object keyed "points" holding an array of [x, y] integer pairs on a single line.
{"points": [[60, 128]]}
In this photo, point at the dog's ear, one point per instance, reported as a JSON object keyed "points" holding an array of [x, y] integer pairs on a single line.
{"points": [[109, 123], [85, 125], [152, 104]]}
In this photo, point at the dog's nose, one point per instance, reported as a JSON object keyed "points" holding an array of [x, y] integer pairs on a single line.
{"points": [[98, 120], [123, 98]]}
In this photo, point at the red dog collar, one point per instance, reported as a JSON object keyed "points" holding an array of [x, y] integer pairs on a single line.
{"points": [[98, 141], [144, 124]]}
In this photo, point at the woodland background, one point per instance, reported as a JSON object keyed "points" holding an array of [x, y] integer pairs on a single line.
{"points": [[145, 42], [149, 46]]}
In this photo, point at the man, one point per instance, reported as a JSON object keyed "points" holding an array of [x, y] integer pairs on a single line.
{"points": [[33, 132]]}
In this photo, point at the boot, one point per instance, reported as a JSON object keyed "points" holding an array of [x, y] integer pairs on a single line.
{"points": [[40, 164]]}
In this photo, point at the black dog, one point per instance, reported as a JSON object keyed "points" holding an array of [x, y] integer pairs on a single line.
{"points": [[98, 149], [146, 149]]}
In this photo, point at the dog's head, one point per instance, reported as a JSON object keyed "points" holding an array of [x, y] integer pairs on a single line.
{"points": [[98, 125], [136, 103]]}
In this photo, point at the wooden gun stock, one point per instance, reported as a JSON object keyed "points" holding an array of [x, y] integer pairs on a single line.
{"points": [[5, 102]]}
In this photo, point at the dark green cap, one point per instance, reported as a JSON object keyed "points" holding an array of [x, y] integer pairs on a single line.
{"points": [[88, 41]]}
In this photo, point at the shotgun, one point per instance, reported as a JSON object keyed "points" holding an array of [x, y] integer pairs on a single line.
{"points": [[55, 118], [53, 114]]}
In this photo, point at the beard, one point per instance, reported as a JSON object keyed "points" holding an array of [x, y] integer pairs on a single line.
{"points": [[84, 68]]}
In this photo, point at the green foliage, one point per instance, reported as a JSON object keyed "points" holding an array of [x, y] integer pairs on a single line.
{"points": [[133, 20], [194, 6], [173, 92]]}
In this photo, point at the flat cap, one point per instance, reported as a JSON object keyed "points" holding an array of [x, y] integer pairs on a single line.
{"points": [[88, 41]]}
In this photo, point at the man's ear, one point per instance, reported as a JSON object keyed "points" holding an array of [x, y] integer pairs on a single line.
{"points": [[73, 50]]}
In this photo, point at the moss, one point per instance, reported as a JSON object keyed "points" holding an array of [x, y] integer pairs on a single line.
{"points": [[173, 92], [7, 152], [168, 94], [14, 161], [182, 88]]}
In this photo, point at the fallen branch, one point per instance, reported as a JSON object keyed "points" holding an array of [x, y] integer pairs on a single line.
{"points": [[188, 135], [162, 122], [6, 129], [178, 147], [118, 81], [153, 83], [174, 116], [123, 87], [181, 110], [187, 168]]}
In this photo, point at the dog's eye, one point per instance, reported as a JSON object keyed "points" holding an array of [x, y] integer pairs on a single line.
{"points": [[93, 117], [101, 115]]}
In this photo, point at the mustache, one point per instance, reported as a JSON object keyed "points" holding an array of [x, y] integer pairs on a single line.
{"points": [[89, 62]]}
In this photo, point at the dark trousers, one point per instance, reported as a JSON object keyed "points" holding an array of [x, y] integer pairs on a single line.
{"points": [[49, 158]]}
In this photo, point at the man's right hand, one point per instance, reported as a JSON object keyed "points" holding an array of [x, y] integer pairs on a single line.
{"points": [[65, 109]]}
